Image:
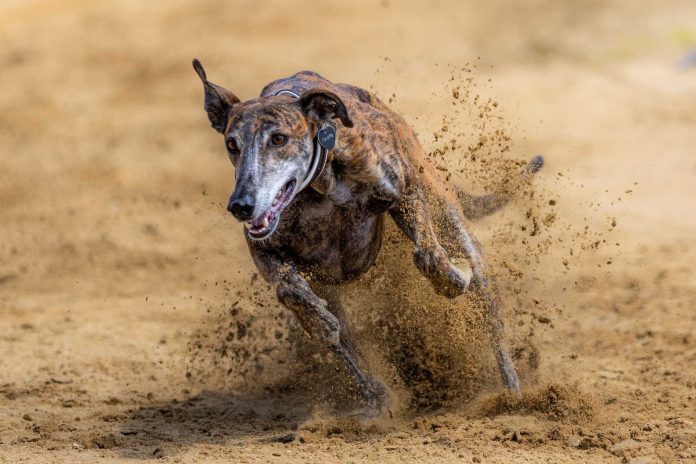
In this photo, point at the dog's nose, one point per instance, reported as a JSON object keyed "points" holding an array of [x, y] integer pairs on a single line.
{"points": [[241, 207]]}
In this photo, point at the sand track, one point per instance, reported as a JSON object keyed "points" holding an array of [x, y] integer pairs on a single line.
{"points": [[132, 326]]}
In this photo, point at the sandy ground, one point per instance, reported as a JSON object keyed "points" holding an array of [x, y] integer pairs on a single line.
{"points": [[132, 326]]}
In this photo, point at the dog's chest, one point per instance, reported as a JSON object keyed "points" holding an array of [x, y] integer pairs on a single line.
{"points": [[337, 240]]}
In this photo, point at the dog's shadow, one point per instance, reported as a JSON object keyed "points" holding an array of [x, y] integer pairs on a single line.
{"points": [[211, 418]]}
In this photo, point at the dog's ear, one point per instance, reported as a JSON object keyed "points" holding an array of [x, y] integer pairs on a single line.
{"points": [[218, 100], [322, 104]]}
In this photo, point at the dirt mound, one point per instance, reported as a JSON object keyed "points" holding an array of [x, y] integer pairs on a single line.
{"points": [[555, 402]]}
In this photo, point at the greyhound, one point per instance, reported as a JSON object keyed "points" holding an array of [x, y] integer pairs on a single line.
{"points": [[318, 167]]}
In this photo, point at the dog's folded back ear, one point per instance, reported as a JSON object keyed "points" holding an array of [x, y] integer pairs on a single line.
{"points": [[323, 104], [218, 100]]}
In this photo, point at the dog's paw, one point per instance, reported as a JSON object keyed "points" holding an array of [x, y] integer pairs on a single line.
{"points": [[448, 279], [455, 283], [377, 401]]}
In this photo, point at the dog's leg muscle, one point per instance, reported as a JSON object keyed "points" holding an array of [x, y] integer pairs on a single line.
{"points": [[295, 293], [412, 216]]}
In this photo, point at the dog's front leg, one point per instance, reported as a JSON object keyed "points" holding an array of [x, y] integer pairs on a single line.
{"points": [[295, 293], [412, 216]]}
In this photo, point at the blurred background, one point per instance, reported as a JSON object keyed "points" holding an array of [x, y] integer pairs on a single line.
{"points": [[113, 234]]}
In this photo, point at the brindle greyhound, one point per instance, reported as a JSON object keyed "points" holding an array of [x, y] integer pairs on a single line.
{"points": [[313, 194]]}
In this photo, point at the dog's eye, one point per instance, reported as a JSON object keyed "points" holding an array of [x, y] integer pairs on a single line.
{"points": [[278, 140], [232, 146]]}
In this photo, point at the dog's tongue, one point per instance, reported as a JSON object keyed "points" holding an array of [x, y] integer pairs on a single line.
{"points": [[262, 222]]}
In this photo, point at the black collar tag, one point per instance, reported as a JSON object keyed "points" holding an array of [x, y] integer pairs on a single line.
{"points": [[327, 135]]}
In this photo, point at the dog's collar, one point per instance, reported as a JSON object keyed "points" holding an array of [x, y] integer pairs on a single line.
{"points": [[323, 142]]}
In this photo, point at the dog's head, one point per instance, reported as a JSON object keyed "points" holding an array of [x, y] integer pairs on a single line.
{"points": [[270, 141]]}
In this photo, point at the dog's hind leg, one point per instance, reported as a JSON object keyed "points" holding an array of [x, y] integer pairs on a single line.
{"points": [[458, 240], [314, 314], [484, 291], [412, 215]]}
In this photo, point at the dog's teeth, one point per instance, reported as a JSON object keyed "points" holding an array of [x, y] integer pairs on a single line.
{"points": [[247, 225], [264, 222]]}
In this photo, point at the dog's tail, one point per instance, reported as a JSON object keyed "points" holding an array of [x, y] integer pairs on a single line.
{"points": [[478, 206]]}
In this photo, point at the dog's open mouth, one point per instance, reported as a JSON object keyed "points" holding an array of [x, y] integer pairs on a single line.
{"points": [[264, 225]]}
